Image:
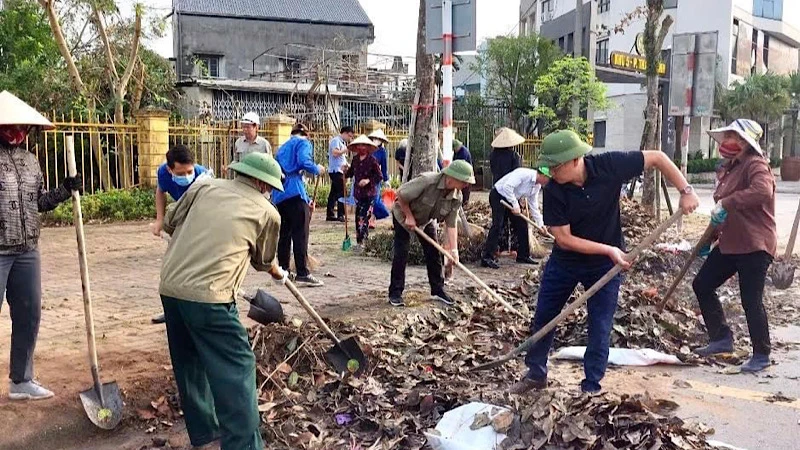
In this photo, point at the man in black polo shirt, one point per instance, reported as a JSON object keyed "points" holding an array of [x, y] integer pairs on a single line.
{"points": [[581, 207]]}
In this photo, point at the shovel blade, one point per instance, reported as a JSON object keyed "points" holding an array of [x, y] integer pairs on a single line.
{"points": [[783, 275], [339, 357], [106, 416], [346, 244]]}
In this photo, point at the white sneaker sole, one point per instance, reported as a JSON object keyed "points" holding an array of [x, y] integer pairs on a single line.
{"points": [[23, 397]]}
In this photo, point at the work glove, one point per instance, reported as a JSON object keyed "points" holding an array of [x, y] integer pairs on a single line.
{"points": [[280, 276], [73, 183], [705, 250], [718, 214]]}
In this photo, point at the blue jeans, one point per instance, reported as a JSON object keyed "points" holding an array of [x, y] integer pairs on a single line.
{"points": [[558, 281]]}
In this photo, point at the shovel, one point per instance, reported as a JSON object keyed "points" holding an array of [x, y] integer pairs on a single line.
{"points": [[346, 243], [647, 242], [695, 251], [541, 230], [783, 270], [102, 402], [474, 277], [345, 356]]}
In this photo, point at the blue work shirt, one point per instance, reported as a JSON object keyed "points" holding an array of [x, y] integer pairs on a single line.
{"points": [[295, 157], [592, 211], [166, 184], [382, 157], [336, 163], [463, 154]]}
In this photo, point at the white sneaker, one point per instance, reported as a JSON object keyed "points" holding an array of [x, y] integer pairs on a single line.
{"points": [[29, 390]]}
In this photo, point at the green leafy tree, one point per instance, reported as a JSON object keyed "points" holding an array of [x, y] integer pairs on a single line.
{"points": [[569, 80], [511, 67], [30, 65]]}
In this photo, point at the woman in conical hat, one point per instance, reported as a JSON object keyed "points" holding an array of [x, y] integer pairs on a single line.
{"points": [[22, 198]]}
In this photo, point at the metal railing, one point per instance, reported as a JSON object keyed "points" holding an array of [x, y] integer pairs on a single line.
{"points": [[105, 152]]}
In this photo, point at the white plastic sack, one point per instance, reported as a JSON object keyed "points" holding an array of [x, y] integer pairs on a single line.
{"points": [[675, 247], [455, 434], [623, 356]]}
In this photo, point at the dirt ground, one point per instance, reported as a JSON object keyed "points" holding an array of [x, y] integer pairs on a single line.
{"points": [[124, 261]]}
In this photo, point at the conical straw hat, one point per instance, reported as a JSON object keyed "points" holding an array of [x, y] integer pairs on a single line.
{"points": [[507, 138], [14, 111], [362, 140], [379, 135]]}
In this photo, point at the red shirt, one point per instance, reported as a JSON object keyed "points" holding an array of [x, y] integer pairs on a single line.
{"points": [[747, 191]]}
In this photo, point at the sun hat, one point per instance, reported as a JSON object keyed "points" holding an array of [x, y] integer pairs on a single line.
{"points": [[14, 111], [261, 167], [461, 171], [560, 147], [507, 138], [749, 130], [545, 171], [362, 140], [379, 135], [300, 129], [251, 118]]}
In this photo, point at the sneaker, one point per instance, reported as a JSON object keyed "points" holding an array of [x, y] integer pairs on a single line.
{"points": [[490, 263], [28, 390], [526, 385], [443, 297], [527, 260], [716, 348], [158, 318], [308, 280], [358, 249], [396, 300], [756, 363]]}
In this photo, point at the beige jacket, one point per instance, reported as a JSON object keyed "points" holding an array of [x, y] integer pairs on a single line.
{"points": [[218, 227]]}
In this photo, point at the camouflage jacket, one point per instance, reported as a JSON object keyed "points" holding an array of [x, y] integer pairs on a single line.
{"points": [[22, 198]]}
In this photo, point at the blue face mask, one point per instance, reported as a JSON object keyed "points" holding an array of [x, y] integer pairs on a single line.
{"points": [[183, 180]]}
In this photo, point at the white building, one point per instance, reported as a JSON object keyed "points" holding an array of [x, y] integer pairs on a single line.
{"points": [[755, 36]]}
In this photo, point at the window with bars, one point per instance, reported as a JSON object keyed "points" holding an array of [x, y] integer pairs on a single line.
{"points": [[601, 56], [768, 9], [603, 6], [600, 134], [735, 45], [209, 66]]}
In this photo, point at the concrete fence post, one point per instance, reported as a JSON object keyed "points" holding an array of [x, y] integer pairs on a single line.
{"points": [[153, 136]]}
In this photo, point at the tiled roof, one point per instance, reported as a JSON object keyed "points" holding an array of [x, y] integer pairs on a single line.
{"points": [[347, 12]]}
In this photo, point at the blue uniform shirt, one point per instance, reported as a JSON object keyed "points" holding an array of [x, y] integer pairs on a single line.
{"points": [[166, 184], [295, 157], [463, 154], [592, 211], [382, 157]]}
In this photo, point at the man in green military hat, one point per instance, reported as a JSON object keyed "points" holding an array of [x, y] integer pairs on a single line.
{"points": [[581, 208], [218, 228], [429, 197]]}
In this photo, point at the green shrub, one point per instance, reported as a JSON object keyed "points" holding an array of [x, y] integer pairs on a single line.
{"points": [[322, 193], [115, 205], [775, 162]]}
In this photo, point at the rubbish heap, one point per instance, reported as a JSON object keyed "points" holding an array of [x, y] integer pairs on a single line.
{"points": [[418, 370]]}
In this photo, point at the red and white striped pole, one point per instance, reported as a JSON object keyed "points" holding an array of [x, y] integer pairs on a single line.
{"points": [[447, 82]]}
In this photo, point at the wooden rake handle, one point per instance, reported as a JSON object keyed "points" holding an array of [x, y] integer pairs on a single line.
{"points": [[685, 269], [474, 277], [312, 312], [531, 222], [647, 242]]}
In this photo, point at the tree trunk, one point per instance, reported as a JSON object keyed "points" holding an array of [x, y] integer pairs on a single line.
{"points": [[423, 143], [654, 37]]}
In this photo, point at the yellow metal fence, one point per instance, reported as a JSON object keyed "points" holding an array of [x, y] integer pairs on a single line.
{"points": [[108, 155]]}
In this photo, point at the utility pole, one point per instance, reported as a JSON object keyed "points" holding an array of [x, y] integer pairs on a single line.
{"points": [[447, 82]]}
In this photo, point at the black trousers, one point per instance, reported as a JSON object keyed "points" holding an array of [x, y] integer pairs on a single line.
{"points": [[752, 270], [337, 192], [499, 215], [433, 260], [295, 223]]}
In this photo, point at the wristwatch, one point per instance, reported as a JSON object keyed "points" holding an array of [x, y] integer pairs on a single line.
{"points": [[687, 190]]}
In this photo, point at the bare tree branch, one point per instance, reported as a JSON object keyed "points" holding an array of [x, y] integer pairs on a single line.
{"points": [[99, 23], [63, 48]]}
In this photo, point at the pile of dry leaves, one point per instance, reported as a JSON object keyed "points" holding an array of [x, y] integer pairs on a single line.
{"points": [[419, 369], [563, 420]]}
